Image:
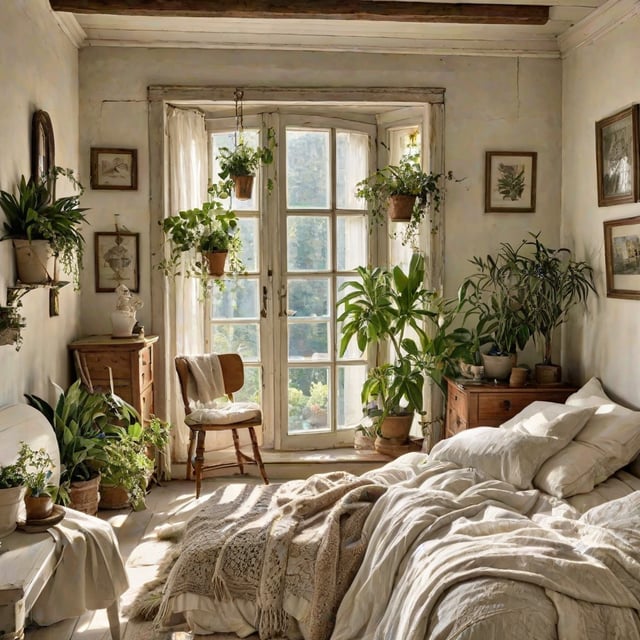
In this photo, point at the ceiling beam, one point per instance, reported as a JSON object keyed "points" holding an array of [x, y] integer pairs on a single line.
{"points": [[387, 10]]}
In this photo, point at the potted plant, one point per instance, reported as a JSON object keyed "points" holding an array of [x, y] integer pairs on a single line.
{"points": [[241, 163], [202, 240], [11, 325], [37, 468], [392, 309], [78, 419], [553, 282], [494, 297], [12, 490], [404, 192], [129, 462], [45, 229]]}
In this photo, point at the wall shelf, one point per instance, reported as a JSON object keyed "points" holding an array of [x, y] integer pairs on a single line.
{"points": [[18, 290]]}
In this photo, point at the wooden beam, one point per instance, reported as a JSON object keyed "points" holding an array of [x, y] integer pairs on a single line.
{"points": [[377, 10]]}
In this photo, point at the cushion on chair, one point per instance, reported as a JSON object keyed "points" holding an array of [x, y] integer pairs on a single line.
{"points": [[229, 413]]}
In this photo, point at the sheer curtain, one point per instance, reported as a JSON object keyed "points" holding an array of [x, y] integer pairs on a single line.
{"points": [[188, 176]]}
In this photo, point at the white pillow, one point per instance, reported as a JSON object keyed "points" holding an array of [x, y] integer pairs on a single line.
{"points": [[514, 452], [609, 441]]}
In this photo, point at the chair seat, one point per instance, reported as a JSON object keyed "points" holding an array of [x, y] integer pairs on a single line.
{"points": [[234, 412]]}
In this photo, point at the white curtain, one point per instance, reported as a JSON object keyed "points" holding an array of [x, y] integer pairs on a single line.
{"points": [[188, 176]]}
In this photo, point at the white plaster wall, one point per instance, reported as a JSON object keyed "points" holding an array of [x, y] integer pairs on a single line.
{"points": [[496, 103], [38, 70], [600, 79]]}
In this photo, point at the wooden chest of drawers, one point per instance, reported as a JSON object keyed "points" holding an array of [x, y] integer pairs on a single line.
{"points": [[128, 362], [489, 405]]}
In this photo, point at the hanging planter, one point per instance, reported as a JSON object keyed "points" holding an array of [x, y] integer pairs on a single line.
{"points": [[216, 261], [243, 186], [401, 207]]}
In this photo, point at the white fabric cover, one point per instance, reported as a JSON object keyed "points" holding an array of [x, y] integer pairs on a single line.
{"points": [[515, 451], [205, 383], [609, 441], [225, 413]]}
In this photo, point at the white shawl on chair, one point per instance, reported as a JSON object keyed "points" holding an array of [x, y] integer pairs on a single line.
{"points": [[206, 383]]}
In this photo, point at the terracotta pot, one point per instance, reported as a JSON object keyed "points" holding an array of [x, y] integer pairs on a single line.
{"points": [[548, 374], [35, 262], [400, 207], [216, 261], [85, 495], [10, 501], [38, 507], [497, 367], [396, 428], [518, 377], [243, 186], [113, 497]]}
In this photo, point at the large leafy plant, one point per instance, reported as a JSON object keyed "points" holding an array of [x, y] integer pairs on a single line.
{"points": [[407, 178], [33, 213], [409, 326]]}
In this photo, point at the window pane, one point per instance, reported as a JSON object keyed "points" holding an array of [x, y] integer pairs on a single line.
{"points": [[308, 298], [308, 169], [308, 340], [308, 243], [308, 399], [238, 300], [228, 139], [236, 338], [352, 240], [350, 381], [352, 165], [249, 234], [402, 141]]}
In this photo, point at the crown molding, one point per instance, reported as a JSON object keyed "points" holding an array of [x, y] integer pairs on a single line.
{"points": [[71, 28], [597, 24]]}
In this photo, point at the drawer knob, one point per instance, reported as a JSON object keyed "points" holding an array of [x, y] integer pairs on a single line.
{"points": [[507, 405]]}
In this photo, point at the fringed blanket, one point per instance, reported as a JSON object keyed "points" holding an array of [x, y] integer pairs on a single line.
{"points": [[300, 542]]}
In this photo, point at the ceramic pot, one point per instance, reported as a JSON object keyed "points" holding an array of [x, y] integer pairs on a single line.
{"points": [[243, 186], [122, 324], [401, 207], [38, 507], [10, 501], [497, 367], [396, 428], [216, 261], [35, 262], [518, 377], [548, 374]]}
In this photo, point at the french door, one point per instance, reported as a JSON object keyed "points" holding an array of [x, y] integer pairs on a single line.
{"points": [[301, 242]]}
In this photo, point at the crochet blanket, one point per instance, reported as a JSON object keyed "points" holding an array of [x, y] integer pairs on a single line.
{"points": [[300, 542]]}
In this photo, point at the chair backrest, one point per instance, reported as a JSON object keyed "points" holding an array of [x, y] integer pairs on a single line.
{"points": [[232, 375]]}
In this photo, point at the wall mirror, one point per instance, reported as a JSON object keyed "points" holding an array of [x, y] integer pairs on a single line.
{"points": [[42, 148]]}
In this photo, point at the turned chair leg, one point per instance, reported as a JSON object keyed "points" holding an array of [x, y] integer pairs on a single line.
{"points": [[192, 443], [256, 454], [236, 444], [199, 461]]}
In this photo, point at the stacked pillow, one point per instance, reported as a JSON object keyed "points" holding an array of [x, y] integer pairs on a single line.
{"points": [[608, 442], [516, 451]]}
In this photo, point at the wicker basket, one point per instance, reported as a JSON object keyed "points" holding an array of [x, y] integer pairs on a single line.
{"points": [[85, 496]]}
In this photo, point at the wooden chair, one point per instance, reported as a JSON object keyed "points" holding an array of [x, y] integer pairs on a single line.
{"points": [[233, 376]]}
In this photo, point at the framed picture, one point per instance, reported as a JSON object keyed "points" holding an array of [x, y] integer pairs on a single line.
{"points": [[117, 260], [622, 257], [510, 181], [617, 157], [114, 168]]}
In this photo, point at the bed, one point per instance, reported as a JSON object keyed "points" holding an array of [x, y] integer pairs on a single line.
{"points": [[530, 530]]}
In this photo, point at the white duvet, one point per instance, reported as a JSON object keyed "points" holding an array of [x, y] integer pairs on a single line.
{"points": [[452, 554]]}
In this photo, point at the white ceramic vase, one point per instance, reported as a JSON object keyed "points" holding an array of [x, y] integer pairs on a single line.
{"points": [[122, 324]]}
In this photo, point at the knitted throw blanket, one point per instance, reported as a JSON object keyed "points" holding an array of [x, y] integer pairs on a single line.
{"points": [[300, 539]]}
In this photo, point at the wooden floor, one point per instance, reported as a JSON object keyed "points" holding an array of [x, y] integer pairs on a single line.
{"points": [[173, 501]]}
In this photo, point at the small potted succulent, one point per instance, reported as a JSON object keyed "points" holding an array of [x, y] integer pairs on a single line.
{"points": [[44, 228], [37, 469], [403, 192], [241, 163]]}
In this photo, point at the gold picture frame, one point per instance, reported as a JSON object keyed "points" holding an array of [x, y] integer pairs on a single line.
{"points": [[622, 257]]}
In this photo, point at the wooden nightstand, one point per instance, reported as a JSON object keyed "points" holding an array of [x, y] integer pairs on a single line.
{"points": [[471, 404], [126, 361]]}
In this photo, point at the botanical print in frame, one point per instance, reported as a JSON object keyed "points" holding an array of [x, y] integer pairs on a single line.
{"points": [[510, 181], [622, 257], [117, 260], [617, 157], [114, 168]]}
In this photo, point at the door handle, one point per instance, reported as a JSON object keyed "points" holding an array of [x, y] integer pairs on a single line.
{"points": [[265, 297], [282, 295], [507, 405]]}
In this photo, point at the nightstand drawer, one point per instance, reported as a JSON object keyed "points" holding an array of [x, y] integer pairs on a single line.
{"points": [[455, 423], [494, 409]]}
